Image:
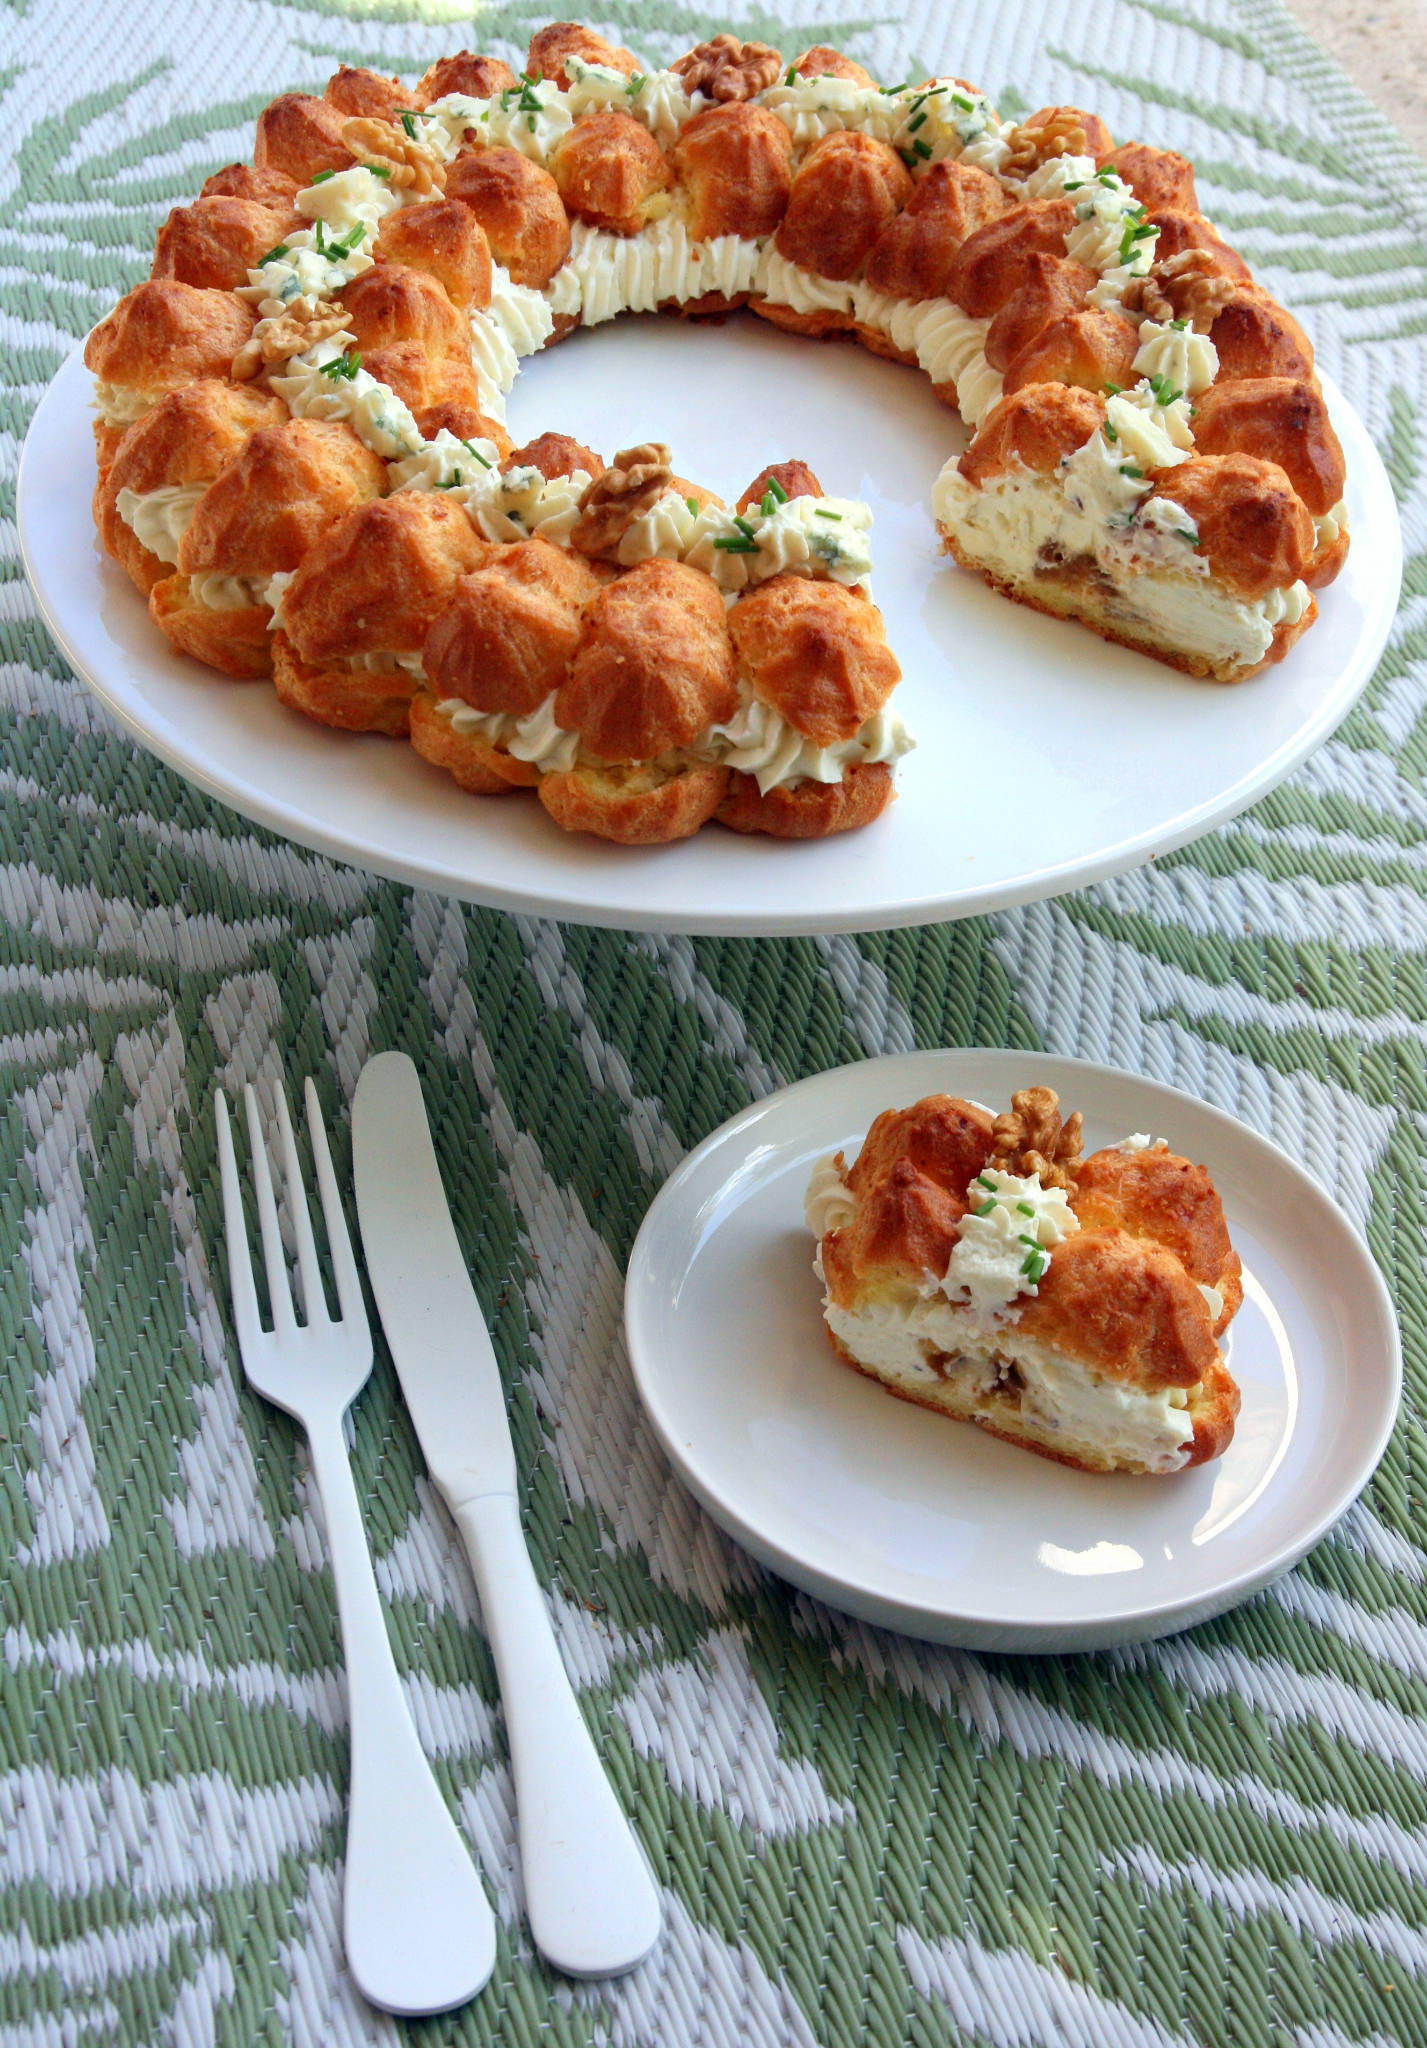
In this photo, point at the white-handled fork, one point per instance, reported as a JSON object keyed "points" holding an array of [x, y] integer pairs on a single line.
{"points": [[418, 1928]]}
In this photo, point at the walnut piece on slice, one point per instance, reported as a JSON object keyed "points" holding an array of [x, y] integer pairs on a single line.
{"points": [[288, 334], [636, 479], [726, 69], [387, 146], [1060, 133], [1031, 1138]]}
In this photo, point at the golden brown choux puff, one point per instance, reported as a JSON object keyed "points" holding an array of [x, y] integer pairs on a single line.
{"points": [[611, 172], [519, 207]]}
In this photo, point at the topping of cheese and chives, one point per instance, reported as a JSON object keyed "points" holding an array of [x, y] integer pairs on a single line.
{"points": [[1005, 1242]]}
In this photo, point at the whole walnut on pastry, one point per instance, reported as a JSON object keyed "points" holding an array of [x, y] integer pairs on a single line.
{"points": [[552, 47], [1052, 132], [1254, 530], [216, 242], [610, 171], [275, 498], [847, 189], [725, 69], [444, 238], [735, 164], [654, 667], [508, 631], [1178, 230], [913, 256], [518, 205], [478, 78], [816, 653], [376, 581], [302, 137]]}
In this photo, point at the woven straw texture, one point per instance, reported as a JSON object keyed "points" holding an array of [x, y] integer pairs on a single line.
{"points": [[1219, 1839]]}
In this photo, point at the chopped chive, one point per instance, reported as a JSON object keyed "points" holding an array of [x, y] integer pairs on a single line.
{"points": [[1128, 469], [908, 159], [377, 170], [634, 83], [1075, 185], [470, 450], [777, 489], [918, 121], [792, 74], [768, 505], [735, 544], [960, 100], [408, 122], [693, 505], [1026, 1208], [922, 149], [821, 512], [1113, 390], [744, 528], [986, 1208], [322, 177], [344, 366], [451, 482], [1185, 534], [984, 1180], [281, 249], [1109, 432], [1179, 325]]}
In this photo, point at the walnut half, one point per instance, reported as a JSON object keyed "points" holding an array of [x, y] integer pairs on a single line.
{"points": [[1184, 287], [1061, 132], [1031, 1138], [636, 479], [289, 334], [407, 162], [726, 69]]}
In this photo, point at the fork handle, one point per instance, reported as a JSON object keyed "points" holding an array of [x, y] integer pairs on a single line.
{"points": [[418, 1927], [592, 1904]]}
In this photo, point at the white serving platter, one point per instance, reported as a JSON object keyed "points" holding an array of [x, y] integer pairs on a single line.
{"points": [[1046, 759], [929, 1526]]}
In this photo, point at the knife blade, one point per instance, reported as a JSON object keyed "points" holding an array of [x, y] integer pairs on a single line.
{"points": [[433, 1322], [593, 1906]]}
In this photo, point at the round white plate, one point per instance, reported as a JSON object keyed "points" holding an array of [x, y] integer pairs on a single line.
{"points": [[1047, 759], [930, 1526]]}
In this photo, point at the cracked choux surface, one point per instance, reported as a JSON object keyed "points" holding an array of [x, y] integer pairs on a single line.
{"points": [[377, 579], [846, 191], [816, 652], [274, 500], [519, 208], [654, 666], [508, 632]]}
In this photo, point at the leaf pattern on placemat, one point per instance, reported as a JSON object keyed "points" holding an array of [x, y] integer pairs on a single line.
{"points": [[1217, 1839]]}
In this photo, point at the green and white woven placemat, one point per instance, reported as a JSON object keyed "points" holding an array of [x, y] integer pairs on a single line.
{"points": [[1219, 1839]]}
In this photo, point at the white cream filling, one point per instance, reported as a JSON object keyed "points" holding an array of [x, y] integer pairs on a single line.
{"points": [[1058, 1402], [382, 663], [829, 1203], [118, 405], [310, 389], [1143, 545], [1004, 1243], [606, 275], [657, 98], [1328, 525], [536, 737], [217, 591], [1186, 362], [758, 741], [159, 519]]}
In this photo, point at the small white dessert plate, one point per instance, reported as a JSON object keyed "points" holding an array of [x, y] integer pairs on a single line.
{"points": [[1110, 756], [930, 1526]]}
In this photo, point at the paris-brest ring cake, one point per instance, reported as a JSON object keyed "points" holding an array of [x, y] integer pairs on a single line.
{"points": [[303, 462]]}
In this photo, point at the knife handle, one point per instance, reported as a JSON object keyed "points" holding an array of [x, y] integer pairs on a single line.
{"points": [[592, 1904]]}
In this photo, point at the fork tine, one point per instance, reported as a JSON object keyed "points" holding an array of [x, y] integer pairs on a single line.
{"points": [[240, 1264], [344, 1266], [314, 1301], [279, 1293]]}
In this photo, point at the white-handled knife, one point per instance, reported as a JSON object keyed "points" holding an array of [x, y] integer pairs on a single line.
{"points": [[592, 1903]]}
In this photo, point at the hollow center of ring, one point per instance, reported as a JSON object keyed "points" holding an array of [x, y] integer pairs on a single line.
{"points": [[731, 397]]}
